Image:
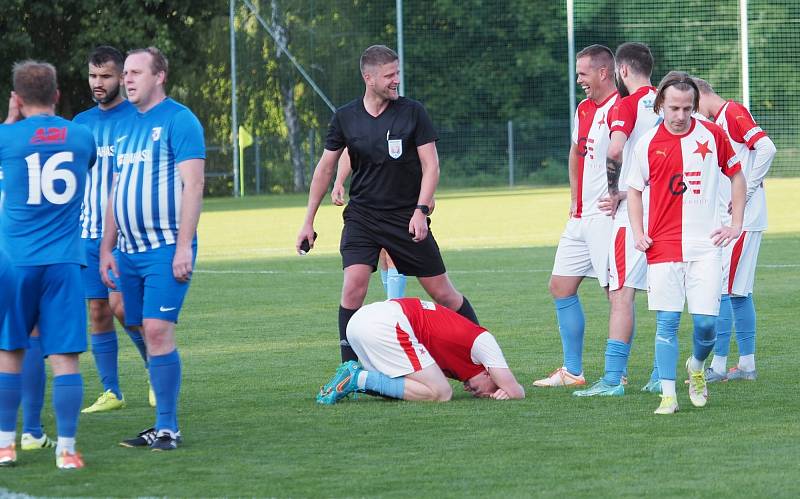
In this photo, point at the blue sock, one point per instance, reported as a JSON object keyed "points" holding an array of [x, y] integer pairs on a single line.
{"points": [[138, 340], [67, 400], [34, 380], [630, 345], [395, 284], [105, 349], [704, 335], [165, 376], [386, 386], [571, 323], [617, 353], [10, 397], [667, 324], [724, 325], [385, 281], [744, 314]]}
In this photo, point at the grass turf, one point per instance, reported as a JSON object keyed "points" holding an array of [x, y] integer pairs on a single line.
{"points": [[258, 336]]}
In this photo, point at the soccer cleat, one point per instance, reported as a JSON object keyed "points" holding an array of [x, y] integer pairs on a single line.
{"points": [[652, 386], [69, 461], [601, 389], [146, 438], [698, 390], [343, 383], [561, 377], [29, 442], [8, 455], [164, 441], [669, 405], [736, 374], [713, 376], [107, 401]]}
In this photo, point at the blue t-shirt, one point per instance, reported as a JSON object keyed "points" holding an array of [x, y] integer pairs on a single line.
{"points": [[45, 160], [147, 196], [105, 126]]}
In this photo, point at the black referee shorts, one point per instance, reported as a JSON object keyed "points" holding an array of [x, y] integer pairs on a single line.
{"points": [[366, 231]]}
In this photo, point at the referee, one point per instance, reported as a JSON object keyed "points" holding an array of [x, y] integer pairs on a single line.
{"points": [[392, 148]]}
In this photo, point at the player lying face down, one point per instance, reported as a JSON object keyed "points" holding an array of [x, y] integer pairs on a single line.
{"points": [[407, 349]]}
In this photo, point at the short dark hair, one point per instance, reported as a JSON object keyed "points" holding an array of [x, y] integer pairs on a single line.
{"points": [[377, 55], [681, 81], [636, 56], [35, 82], [104, 54], [158, 60], [599, 54]]}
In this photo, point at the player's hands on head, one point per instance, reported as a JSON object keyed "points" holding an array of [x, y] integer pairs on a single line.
{"points": [[725, 235], [108, 263], [306, 233], [14, 114], [182, 264], [418, 226], [337, 195]]}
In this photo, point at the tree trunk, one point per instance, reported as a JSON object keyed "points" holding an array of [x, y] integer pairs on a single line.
{"points": [[287, 81]]}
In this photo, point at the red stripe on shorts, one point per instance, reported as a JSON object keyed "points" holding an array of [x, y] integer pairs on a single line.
{"points": [[619, 256], [405, 342], [736, 254]]}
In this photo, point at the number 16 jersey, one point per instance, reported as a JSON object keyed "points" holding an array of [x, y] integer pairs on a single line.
{"points": [[44, 159]]}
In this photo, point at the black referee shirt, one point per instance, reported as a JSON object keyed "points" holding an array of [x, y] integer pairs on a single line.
{"points": [[383, 151]]}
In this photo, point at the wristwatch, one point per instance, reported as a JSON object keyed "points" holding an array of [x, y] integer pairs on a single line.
{"points": [[424, 209]]}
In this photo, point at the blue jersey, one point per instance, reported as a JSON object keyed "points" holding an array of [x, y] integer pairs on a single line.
{"points": [[105, 127], [147, 195], [45, 160]]}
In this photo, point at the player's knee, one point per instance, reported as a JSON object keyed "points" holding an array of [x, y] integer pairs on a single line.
{"points": [[705, 325], [445, 393], [100, 315]]}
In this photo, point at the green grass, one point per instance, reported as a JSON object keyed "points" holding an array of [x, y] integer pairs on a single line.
{"points": [[258, 336]]}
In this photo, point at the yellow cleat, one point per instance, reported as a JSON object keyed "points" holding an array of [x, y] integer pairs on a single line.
{"points": [[669, 405], [151, 395], [29, 442], [107, 401], [8, 455], [69, 461]]}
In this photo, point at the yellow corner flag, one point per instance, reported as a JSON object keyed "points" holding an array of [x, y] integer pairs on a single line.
{"points": [[245, 139]]}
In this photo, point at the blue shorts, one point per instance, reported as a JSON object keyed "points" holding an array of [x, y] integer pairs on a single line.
{"points": [[92, 283], [52, 297], [7, 277], [149, 289]]}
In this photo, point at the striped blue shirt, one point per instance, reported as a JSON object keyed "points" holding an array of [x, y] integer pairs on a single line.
{"points": [[147, 195], [105, 127]]}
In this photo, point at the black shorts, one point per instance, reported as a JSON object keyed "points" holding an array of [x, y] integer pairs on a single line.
{"points": [[366, 231]]}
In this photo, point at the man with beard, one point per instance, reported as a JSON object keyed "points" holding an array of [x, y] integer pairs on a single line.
{"points": [[105, 121], [391, 143]]}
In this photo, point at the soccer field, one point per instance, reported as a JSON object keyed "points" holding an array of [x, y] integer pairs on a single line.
{"points": [[258, 337]]}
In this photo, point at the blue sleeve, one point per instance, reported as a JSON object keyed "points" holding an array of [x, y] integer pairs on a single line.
{"points": [[186, 137]]}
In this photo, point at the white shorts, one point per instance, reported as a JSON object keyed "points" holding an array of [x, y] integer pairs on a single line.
{"points": [[583, 248], [627, 266], [671, 284], [739, 264], [384, 341]]}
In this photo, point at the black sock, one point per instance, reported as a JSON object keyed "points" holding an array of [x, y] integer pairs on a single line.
{"points": [[466, 311], [344, 317]]}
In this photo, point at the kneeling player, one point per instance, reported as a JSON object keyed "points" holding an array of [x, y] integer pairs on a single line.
{"points": [[409, 347]]}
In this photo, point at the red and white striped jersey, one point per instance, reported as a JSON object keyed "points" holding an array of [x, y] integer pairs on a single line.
{"points": [[633, 115], [744, 132], [447, 335], [591, 136], [683, 173]]}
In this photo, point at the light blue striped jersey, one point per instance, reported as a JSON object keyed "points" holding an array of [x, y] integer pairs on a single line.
{"points": [[147, 194], [45, 160], [105, 126]]}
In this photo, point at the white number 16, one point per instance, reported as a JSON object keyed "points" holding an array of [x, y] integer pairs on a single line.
{"points": [[42, 180]]}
